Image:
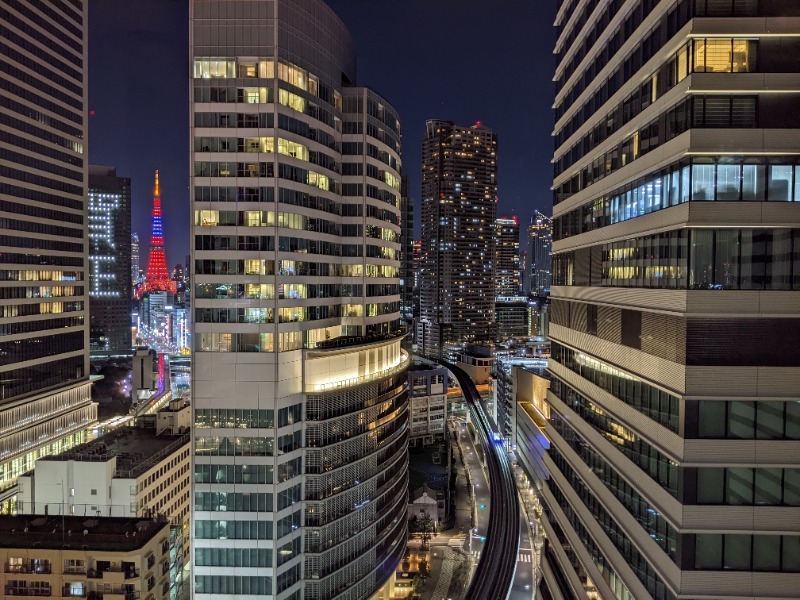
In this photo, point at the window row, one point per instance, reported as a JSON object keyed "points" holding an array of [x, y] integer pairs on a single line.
{"points": [[225, 474], [233, 119], [39, 347], [748, 420], [43, 291], [656, 526], [290, 314], [696, 259], [290, 268], [266, 291], [635, 559], [35, 275], [654, 463], [29, 379], [231, 585], [233, 501], [17, 327], [661, 406], [722, 179], [233, 418], [233, 557], [234, 446], [697, 112], [745, 486], [737, 552], [263, 218]]}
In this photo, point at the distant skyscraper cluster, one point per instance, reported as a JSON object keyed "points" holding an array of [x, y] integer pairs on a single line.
{"points": [[459, 210]]}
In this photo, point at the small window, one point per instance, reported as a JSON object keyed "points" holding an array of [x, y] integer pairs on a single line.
{"points": [[94, 492]]}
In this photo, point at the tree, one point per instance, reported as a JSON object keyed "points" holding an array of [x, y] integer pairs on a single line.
{"points": [[425, 528]]}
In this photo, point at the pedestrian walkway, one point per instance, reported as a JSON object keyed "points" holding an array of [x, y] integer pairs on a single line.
{"points": [[450, 560]]}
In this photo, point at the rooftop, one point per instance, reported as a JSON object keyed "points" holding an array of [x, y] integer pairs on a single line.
{"points": [[136, 449], [116, 534]]}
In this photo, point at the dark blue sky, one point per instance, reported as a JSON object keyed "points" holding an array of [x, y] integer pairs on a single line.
{"points": [[459, 60]]}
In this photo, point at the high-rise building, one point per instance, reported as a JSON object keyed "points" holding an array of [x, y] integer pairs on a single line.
{"points": [[135, 263], [297, 324], [539, 247], [45, 395], [673, 466], [506, 261], [459, 209], [109, 258]]}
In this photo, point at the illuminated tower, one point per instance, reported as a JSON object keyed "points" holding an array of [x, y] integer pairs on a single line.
{"points": [[157, 277]]}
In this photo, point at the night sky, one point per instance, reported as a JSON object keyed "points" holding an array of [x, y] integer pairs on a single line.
{"points": [[458, 60]]}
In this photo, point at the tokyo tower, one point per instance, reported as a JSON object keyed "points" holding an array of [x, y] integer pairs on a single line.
{"points": [[157, 278]]}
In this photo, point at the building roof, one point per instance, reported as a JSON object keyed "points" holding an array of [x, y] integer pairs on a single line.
{"points": [[115, 534], [136, 449]]}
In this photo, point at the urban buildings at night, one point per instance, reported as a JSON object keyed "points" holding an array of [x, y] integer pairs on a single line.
{"points": [[539, 245], [673, 404], [110, 261], [45, 396], [459, 209], [299, 384], [506, 262], [136, 272]]}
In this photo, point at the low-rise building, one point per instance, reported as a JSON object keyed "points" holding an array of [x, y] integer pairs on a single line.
{"points": [[111, 558], [428, 502], [428, 403], [131, 472], [477, 362], [516, 379]]}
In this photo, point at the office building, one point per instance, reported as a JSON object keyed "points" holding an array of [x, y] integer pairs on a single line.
{"points": [[459, 209], [296, 325], [539, 245], [79, 557], [135, 263], [45, 395], [674, 319], [110, 261], [512, 315], [427, 403], [506, 261]]}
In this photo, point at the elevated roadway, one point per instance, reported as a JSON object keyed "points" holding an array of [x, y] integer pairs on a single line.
{"points": [[494, 575]]}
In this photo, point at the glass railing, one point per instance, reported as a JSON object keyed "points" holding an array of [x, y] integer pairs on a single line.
{"points": [[354, 381]]}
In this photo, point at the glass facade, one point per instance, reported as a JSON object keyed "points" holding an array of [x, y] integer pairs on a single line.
{"points": [[699, 179]]}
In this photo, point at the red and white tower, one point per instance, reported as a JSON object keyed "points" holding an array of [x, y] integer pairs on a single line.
{"points": [[157, 278]]}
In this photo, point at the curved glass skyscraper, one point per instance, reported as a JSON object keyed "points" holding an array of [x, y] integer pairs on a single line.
{"points": [[299, 386]]}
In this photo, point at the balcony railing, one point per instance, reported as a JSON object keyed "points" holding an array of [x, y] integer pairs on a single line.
{"points": [[28, 568], [353, 381]]}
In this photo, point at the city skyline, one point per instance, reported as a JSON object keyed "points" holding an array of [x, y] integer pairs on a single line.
{"points": [[155, 33]]}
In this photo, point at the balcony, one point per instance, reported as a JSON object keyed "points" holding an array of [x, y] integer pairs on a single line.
{"points": [[24, 591], [29, 568]]}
